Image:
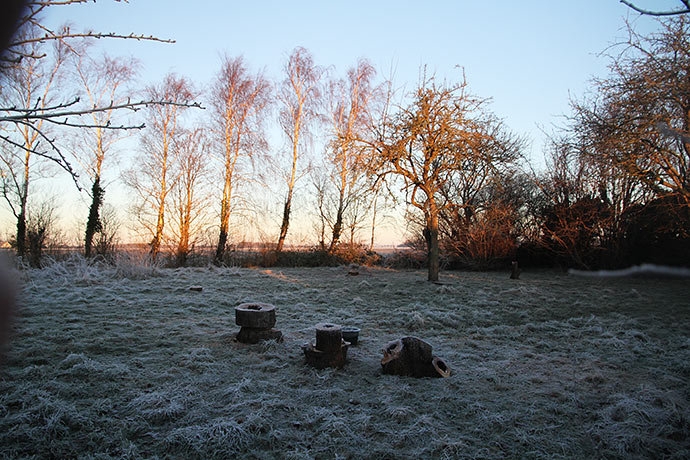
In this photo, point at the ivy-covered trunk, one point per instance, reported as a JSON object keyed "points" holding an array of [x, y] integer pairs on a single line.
{"points": [[93, 224]]}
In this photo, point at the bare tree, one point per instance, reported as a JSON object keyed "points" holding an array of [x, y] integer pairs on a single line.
{"points": [[27, 86], [300, 97], [26, 48], [639, 118], [427, 143], [239, 100], [155, 174], [102, 81], [684, 9], [188, 200], [351, 104]]}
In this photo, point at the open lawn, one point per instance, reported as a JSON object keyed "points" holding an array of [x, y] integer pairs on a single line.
{"points": [[127, 362]]}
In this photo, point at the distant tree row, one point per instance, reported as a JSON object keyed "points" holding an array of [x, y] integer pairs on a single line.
{"points": [[615, 190]]}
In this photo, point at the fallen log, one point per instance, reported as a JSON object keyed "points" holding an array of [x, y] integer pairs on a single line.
{"points": [[412, 356]]}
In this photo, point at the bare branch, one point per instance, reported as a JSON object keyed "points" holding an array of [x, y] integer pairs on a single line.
{"points": [[96, 35], [48, 115], [685, 10]]}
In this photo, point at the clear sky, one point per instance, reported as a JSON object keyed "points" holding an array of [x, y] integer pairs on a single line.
{"points": [[528, 56]]}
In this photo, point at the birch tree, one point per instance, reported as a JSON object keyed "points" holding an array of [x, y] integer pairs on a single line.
{"points": [[103, 83], [154, 176], [27, 85], [300, 97], [351, 102], [189, 199], [239, 101]]}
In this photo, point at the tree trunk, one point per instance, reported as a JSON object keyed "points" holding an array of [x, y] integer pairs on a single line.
{"points": [[93, 224], [286, 222], [158, 237], [220, 249], [21, 234], [224, 225], [21, 218], [373, 224], [337, 230], [431, 236]]}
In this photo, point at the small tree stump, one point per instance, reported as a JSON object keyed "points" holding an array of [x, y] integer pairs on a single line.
{"points": [[329, 337], [255, 315], [411, 356], [329, 349], [257, 321], [323, 359]]}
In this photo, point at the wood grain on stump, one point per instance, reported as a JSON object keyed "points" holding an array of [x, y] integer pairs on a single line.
{"points": [[255, 315]]}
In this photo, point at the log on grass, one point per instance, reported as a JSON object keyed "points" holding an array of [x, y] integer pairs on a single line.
{"points": [[411, 356]]}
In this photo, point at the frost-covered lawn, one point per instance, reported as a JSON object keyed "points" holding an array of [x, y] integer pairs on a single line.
{"points": [[128, 363]]}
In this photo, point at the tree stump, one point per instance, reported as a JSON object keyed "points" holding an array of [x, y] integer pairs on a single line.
{"points": [[412, 356], [256, 321], [515, 272], [329, 349], [329, 337], [256, 315]]}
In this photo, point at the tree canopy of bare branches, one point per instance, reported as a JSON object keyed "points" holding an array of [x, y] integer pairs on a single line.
{"points": [[639, 118], [300, 96], [444, 132], [239, 101], [351, 105], [156, 174]]}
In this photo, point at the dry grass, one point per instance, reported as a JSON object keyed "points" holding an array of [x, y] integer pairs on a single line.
{"points": [[126, 362]]}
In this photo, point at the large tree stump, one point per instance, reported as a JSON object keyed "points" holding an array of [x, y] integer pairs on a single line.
{"points": [[411, 356], [329, 349], [257, 321]]}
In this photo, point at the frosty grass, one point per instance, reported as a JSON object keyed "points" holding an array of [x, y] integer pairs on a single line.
{"points": [[127, 362]]}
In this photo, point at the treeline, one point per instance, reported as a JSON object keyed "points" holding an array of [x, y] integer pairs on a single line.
{"points": [[615, 190]]}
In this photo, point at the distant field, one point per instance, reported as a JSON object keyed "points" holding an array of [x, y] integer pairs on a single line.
{"points": [[126, 362]]}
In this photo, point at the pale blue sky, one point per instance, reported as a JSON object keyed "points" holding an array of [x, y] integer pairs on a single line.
{"points": [[528, 56]]}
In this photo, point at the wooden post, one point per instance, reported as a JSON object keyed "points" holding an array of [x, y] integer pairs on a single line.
{"points": [[515, 273]]}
